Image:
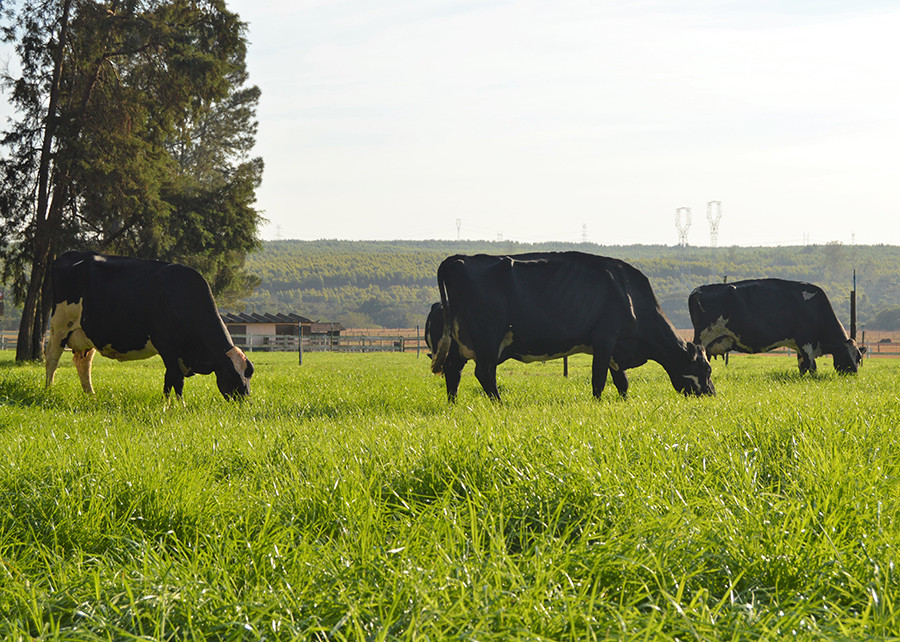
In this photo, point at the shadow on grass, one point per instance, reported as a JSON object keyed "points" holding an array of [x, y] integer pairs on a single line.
{"points": [[18, 391]]}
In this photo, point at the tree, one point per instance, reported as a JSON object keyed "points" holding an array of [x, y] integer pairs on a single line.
{"points": [[133, 135], [887, 319]]}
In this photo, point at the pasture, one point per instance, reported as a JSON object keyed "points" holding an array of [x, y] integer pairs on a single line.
{"points": [[348, 500]]}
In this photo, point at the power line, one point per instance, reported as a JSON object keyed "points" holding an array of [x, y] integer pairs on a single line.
{"points": [[682, 225], [714, 215]]}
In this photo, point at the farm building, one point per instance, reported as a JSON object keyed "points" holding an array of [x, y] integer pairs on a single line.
{"points": [[251, 331], [277, 331]]}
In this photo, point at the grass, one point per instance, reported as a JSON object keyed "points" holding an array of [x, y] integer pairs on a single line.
{"points": [[348, 500]]}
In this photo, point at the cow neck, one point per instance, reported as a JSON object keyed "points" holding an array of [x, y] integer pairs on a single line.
{"points": [[668, 348]]}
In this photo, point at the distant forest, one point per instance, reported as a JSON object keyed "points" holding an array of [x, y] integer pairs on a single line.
{"points": [[392, 284]]}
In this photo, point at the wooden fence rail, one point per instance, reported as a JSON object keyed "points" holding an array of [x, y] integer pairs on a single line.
{"points": [[317, 343], [398, 341], [327, 343]]}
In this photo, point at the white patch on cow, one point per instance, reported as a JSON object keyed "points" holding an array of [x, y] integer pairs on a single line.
{"points": [[505, 342], [149, 350], [65, 321], [717, 338], [814, 351], [239, 360], [808, 295], [693, 378], [613, 365], [465, 351], [781, 343], [532, 358]]}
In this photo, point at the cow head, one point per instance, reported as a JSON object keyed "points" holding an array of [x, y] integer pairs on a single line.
{"points": [[233, 376], [694, 378], [434, 328], [437, 338], [847, 357]]}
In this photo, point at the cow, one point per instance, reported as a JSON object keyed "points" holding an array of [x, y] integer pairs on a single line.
{"points": [[127, 308], [434, 328], [546, 305], [759, 315]]}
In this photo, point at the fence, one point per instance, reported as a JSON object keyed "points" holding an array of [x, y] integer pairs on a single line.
{"points": [[378, 341], [878, 344], [403, 340]]}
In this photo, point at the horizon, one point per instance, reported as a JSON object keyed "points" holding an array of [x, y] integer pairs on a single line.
{"points": [[574, 243]]}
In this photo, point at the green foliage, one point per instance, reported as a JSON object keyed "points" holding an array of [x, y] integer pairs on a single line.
{"points": [[888, 319], [393, 284], [147, 145], [350, 501]]}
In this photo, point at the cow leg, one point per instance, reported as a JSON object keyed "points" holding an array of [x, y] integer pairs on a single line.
{"points": [[83, 361], [174, 378], [54, 352], [805, 361], [452, 374], [486, 373], [599, 368], [620, 379]]}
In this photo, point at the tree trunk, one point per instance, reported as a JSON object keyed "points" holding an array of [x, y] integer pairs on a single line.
{"points": [[29, 346]]}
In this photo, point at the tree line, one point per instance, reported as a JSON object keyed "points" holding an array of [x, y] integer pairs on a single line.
{"points": [[393, 283], [370, 284]]}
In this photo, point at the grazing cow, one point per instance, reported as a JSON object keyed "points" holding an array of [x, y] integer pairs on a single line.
{"points": [[540, 306], [763, 314], [128, 308]]}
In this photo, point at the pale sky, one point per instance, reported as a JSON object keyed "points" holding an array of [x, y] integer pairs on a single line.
{"points": [[548, 120], [564, 120]]}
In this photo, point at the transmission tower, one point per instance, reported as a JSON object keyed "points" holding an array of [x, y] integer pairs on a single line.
{"points": [[584, 232], [682, 225], [714, 215]]}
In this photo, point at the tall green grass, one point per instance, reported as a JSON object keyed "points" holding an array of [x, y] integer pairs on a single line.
{"points": [[348, 500]]}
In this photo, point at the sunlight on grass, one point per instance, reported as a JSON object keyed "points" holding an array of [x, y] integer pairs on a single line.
{"points": [[348, 500]]}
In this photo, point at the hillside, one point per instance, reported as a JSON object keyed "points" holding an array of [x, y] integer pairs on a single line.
{"points": [[393, 283]]}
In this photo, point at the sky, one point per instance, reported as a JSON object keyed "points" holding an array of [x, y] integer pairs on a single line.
{"points": [[578, 120], [572, 120]]}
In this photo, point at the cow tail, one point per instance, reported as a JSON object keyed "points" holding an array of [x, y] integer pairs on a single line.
{"points": [[625, 288], [442, 349]]}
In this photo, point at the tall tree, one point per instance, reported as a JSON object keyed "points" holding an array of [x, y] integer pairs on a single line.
{"points": [[105, 152]]}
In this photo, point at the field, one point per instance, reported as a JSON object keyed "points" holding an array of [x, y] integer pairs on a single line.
{"points": [[348, 500]]}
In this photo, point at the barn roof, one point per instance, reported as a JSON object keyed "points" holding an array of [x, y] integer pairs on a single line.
{"points": [[252, 317]]}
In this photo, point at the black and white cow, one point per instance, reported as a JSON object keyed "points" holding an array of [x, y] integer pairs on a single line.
{"points": [[540, 306], [763, 314], [128, 308]]}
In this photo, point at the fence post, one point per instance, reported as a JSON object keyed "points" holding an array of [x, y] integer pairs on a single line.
{"points": [[299, 344], [853, 308]]}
